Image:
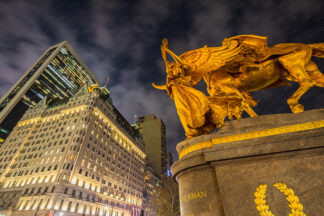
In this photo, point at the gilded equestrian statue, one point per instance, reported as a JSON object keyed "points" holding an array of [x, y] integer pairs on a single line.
{"points": [[243, 64]]}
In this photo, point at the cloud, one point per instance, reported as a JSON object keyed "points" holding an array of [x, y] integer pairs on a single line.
{"points": [[110, 36], [132, 98], [122, 40]]}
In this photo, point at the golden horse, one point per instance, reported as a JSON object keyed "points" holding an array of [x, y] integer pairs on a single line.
{"points": [[241, 65]]}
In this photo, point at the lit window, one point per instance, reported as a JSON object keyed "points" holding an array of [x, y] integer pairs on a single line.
{"points": [[73, 181]]}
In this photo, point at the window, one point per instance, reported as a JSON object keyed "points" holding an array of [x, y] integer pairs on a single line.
{"points": [[26, 205], [69, 206], [61, 204]]}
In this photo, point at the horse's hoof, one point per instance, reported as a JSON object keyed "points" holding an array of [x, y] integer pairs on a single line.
{"points": [[297, 108]]}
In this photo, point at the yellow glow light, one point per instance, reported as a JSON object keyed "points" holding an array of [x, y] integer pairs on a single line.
{"points": [[49, 205], [73, 181], [42, 206], [21, 206], [56, 206], [253, 135]]}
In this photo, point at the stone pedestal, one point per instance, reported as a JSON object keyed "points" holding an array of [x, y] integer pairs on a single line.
{"points": [[218, 174]]}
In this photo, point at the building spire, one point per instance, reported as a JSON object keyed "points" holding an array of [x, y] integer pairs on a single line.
{"points": [[108, 78]]}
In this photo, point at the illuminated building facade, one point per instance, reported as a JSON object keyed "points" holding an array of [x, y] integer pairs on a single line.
{"points": [[58, 74], [151, 185], [73, 157], [154, 136]]}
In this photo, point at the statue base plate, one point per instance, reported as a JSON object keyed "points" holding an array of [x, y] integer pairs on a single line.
{"points": [[218, 174]]}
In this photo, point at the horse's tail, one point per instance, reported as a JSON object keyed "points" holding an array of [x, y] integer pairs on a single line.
{"points": [[317, 49]]}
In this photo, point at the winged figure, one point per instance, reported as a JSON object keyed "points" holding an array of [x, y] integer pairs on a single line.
{"points": [[243, 64]]}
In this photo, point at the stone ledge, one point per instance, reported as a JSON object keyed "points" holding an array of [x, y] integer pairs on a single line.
{"points": [[250, 128], [257, 123], [285, 142], [284, 148]]}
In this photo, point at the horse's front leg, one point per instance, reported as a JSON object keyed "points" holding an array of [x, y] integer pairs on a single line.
{"points": [[222, 83]]}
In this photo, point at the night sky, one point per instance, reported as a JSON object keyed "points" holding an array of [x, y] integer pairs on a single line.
{"points": [[121, 39]]}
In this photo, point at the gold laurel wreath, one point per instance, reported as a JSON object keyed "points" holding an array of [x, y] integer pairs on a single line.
{"points": [[260, 201], [296, 208]]}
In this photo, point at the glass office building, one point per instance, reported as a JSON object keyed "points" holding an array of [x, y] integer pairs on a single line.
{"points": [[58, 74]]}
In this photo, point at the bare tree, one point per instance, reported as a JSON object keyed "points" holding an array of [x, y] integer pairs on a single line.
{"points": [[167, 198]]}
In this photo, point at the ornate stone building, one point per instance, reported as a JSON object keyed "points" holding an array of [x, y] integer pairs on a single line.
{"points": [[78, 156], [151, 185]]}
